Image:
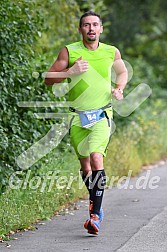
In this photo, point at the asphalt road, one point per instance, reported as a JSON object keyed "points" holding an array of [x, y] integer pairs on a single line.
{"points": [[135, 221]]}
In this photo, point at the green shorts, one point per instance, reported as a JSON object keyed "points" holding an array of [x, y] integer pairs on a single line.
{"points": [[93, 139]]}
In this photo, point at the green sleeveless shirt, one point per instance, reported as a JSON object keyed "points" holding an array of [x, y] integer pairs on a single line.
{"points": [[92, 89]]}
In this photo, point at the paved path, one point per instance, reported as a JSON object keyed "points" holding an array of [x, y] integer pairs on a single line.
{"points": [[135, 221]]}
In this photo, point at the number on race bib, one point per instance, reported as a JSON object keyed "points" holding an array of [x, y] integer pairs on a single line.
{"points": [[91, 117]]}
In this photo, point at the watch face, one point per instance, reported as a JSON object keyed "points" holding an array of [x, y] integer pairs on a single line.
{"points": [[121, 91]]}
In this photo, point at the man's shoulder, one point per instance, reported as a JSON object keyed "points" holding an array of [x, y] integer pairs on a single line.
{"points": [[107, 47], [75, 45]]}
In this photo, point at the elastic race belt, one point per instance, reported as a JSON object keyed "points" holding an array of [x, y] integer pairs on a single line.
{"points": [[89, 117]]}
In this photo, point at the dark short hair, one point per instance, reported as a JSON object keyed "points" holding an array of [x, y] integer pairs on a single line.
{"points": [[89, 13]]}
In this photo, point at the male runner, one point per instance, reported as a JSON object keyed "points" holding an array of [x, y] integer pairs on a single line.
{"points": [[88, 63]]}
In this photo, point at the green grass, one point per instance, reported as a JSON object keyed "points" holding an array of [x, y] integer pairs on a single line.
{"points": [[37, 197]]}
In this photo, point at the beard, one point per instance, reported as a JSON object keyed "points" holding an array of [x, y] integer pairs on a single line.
{"points": [[92, 39]]}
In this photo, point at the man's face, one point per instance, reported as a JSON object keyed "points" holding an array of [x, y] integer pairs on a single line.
{"points": [[91, 28]]}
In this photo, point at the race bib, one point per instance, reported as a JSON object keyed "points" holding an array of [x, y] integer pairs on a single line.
{"points": [[90, 117]]}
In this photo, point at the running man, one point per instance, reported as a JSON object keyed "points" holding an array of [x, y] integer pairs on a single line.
{"points": [[88, 64]]}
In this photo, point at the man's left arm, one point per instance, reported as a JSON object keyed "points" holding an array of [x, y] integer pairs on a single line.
{"points": [[121, 76]]}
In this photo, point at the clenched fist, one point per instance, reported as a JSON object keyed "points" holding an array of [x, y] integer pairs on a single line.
{"points": [[117, 93], [80, 66]]}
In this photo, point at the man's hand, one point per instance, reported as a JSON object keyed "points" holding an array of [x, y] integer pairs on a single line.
{"points": [[117, 93], [80, 66]]}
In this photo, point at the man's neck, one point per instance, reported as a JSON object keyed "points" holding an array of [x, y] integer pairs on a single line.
{"points": [[92, 45]]}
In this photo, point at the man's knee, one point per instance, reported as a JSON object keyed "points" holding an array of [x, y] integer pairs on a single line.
{"points": [[96, 159]]}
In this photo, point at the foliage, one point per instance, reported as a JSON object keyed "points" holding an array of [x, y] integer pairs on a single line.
{"points": [[61, 19], [21, 28], [141, 142], [139, 30]]}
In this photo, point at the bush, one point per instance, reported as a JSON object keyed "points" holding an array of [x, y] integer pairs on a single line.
{"points": [[21, 28], [141, 142], [20, 25]]}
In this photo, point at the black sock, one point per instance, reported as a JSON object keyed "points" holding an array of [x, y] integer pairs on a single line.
{"points": [[87, 180], [98, 184]]}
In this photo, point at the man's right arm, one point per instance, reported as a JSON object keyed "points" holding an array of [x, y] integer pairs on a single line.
{"points": [[60, 71]]}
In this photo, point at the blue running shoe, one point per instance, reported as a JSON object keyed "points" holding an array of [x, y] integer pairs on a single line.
{"points": [[93, 224], [101, 215]]}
